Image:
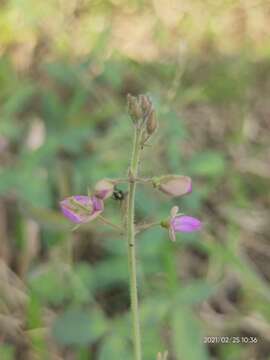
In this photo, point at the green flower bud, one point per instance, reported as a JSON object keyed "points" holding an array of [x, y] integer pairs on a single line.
{"points": [[165, 224]]}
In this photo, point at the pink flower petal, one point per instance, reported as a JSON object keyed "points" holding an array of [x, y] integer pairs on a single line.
{"points": [[185, 224], [81, 209]]}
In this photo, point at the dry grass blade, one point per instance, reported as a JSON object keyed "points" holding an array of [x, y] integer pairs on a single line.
{"points": [[13, 292], [10, 326], [163, 356]]}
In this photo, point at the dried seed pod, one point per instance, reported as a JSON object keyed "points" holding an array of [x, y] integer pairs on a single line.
{"points": [[145, 103], [134, 108], [151, 123]]}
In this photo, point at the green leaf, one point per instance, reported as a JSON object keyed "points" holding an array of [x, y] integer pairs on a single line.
{"points": [[105, 277], [250, 277], [34, 313], [207, 164], [79, 327], [175, 132], [64, 74], [53, 110], [9, 128], [114, 348], [50, 287], [34, 326], [7, 180], [74, 138], [194, 293], [113, 74], [18, 100], [187, 336], [59, 284], [7, 352], [153, 310]]}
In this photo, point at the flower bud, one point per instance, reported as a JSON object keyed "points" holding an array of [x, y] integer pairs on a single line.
{"points": [[145, 103], [134, 108], [173, 185], [151, 123], [104, 189]]}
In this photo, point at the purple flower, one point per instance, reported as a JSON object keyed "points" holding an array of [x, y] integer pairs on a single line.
{"points": [[181, 223], [185, 224], [81, 209]]}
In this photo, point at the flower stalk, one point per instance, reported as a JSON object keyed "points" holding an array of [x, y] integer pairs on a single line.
{"points": [[133, 171], [81, 209], [108, 222]]}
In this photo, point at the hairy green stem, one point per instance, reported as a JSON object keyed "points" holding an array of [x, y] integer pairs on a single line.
{"points": [[108, 222], [137, 179], [131, 244], [143, 227]]}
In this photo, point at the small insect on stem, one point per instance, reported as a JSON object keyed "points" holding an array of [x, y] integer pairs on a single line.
{"points": [[118, 195]]}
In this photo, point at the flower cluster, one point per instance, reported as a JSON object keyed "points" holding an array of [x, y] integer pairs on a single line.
{"points": [[81, 209]]}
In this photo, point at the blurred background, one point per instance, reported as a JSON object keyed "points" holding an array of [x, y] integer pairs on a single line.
{"points": [[65, 70]]}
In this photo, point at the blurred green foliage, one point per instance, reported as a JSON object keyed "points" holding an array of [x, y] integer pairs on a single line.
{"points": [[63, 126]]}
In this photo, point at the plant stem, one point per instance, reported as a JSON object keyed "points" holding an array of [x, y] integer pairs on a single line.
{"points": [[137, 179], [131, 244], [144, 227], [108, 222]]}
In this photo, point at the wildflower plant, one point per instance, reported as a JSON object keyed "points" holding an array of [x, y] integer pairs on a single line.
{"points": [[81, 209]]}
